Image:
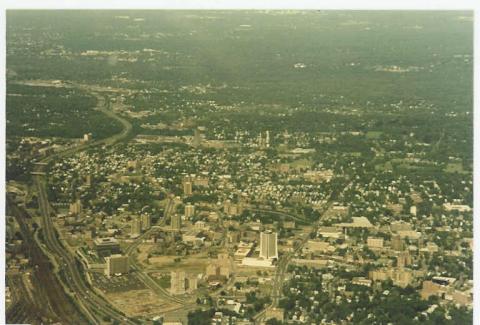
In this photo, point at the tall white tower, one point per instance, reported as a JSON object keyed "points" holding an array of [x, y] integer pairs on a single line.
{"points": [[268, 245]]}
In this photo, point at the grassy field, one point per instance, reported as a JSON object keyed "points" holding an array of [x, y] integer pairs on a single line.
{"points": [[373, 135], [456, 167]]}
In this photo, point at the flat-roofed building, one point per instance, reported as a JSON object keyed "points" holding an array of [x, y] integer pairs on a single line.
{"points": [[317, 246], [400, 226], [191, 283], [257, 262], [146, 222], [176, 222], [187, 188], [277, 313], [177, 282], [410, 234], [329, 232], [76, 207], [397, 243], [189, 211], [268, 245], [243, 250], [358, 222], [116, 264], [361, 281], [106, 246], [375, 243], [136, 227]]}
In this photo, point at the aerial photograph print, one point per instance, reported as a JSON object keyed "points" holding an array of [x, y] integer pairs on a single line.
{"points": [[236, 167]]}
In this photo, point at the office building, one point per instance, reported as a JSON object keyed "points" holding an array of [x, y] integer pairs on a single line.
{"points": [[189, 211], [88, 180], [413, 210], [187, 188], [191, 283], [404, 259], [268, 245], [76, 207], [106, 246], [374, 243], [136, 227], [397, 243], [146, 222], [177, 282], [116, 264], [176, 222]]}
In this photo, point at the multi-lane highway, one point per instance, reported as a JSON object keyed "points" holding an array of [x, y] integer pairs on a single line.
{"points": [[94, 307]]}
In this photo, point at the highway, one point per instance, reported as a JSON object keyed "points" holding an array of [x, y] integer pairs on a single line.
{"points": [[93, 306]]}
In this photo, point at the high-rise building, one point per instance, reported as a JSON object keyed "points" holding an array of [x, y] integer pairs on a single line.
{"points": [[226, 206], [191, 283], [267, 139], [88, 180], [413, 210], [76, 207], [177, 282], [232, 209], [268, 245], [136, 227], [189, 210], [397, 242], [404, 259], [176, 222], [187, 188], [116, 264], [146, 222], [220, 267]]}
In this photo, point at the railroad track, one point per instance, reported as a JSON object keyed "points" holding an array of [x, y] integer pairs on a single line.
{"points": [[93, 306], [51, 295]]}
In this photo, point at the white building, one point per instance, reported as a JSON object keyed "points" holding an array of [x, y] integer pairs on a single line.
{"points": [[268, 245]]}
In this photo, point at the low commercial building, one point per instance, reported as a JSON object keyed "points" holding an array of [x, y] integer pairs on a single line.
{"points": [[243, 250], [106, 246], [257, 262], [375, 243]]}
